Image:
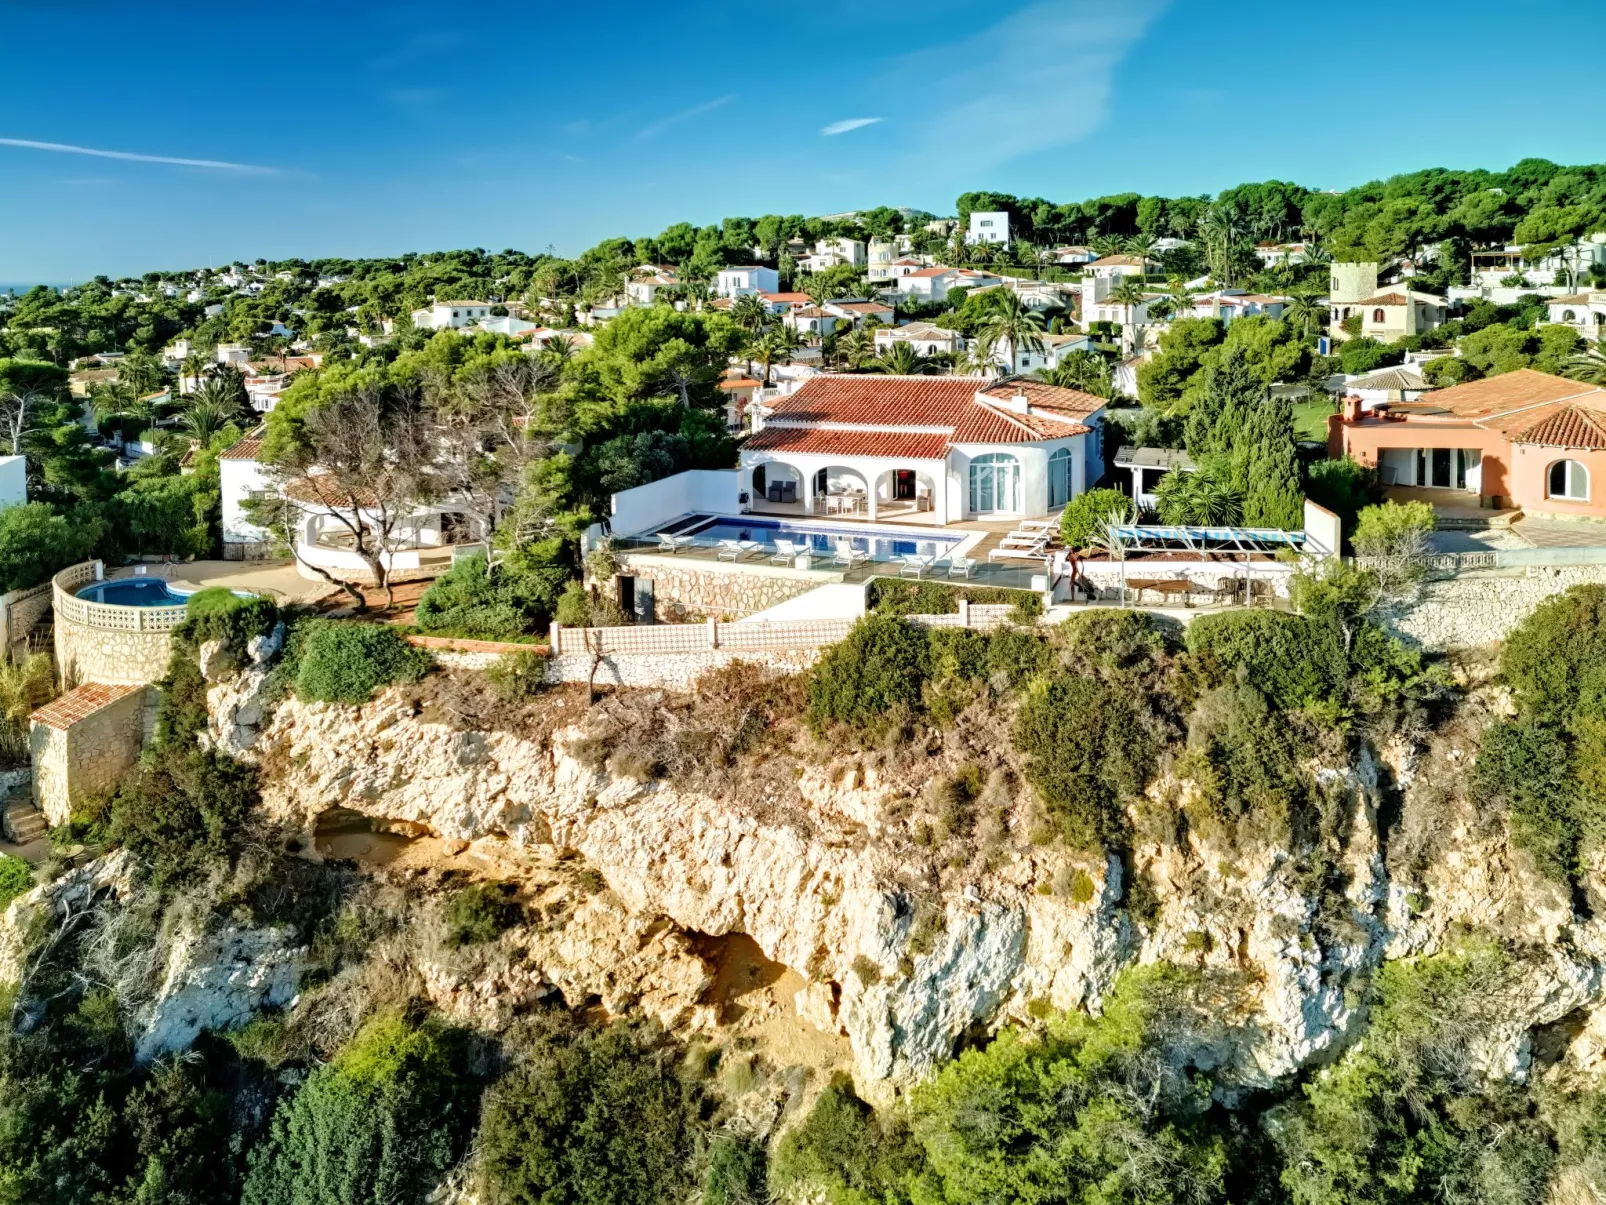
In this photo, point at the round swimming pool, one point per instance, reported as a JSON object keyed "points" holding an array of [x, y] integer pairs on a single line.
{"points": [[133, 592]]}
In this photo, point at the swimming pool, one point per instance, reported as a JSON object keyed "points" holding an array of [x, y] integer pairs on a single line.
{"points": [[881, 543], [133, 592]]}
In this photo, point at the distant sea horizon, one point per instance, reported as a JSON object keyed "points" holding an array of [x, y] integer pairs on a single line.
{"points": [[23, 286]]}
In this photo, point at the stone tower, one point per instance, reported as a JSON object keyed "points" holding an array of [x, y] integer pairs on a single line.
{"points": [[1352, 282]]}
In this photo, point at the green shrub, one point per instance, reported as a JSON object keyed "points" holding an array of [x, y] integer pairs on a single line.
{"points": [[595, 1116], [1392, 529], [1342, 486], [900, 596], [844, 1151], [871, 677], [1086, 753], [181, 814], [1555, 660], [736, 1172], [24, 689], [1084, 516], [581, 608], [1244, 759], [512, 601], [346, 661], [382, 1122], [218, 613], [481, 912], [1525, 770], [1027, 609], [517, 676], [16, 876], [1283, 655]]}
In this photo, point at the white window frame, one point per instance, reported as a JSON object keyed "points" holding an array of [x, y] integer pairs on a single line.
{"points": [[1574, 473]]}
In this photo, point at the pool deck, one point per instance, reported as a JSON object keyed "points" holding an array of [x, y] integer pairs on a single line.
{"points": [[277, 579]]}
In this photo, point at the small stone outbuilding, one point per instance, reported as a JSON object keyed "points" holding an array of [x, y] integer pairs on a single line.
{"points": [[82, 742]]}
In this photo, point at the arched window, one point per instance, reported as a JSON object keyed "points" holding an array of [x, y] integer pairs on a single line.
{"points": [[1059, 477], [1569, 480], [1379, 316], [1569, 316], [1600, 318], [994, 484]]}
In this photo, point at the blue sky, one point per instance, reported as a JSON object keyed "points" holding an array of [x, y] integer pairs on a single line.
{"points": [[369, 129]]}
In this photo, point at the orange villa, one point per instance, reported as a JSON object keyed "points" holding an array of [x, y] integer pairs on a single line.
{"points": [[1524, 440]]}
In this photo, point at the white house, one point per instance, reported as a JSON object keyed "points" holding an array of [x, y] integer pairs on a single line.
{"points": [[1401, 383], [882, 254], [233, 353], [451, 315], [810, 321], [242, 478], [643, 286], [861, 312], [1584, 312], [955, 448], [991, 226], [1117, 265], [926, 339], [1279, 253], [1074, 255], [933, 284], [1562, 267], [507, 325], [742, 281], [1227, 304]]}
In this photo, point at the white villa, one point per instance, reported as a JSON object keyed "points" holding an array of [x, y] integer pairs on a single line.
{"points": [[953, 448], [926, 338], [451, 315], [739, 282], [1584, 312]]}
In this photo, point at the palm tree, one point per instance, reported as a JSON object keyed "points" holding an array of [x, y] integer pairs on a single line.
{"points": [[1143, 248], [1197, 499], [1011, 322], [1303, 311], [979, 360], [1129, 291], [192, 368], [1588, 366], [750, 313], [218, 393], [560, 349], [1224, 231], [1089, 372], [202, 420], [901, 360], [1106, 244], [979, 254], [856, 347]]}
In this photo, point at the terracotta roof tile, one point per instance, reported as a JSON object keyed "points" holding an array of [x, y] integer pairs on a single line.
{"points": [[901, 445], [948, 404], [1565, 426], [1506, 392], [249, 448], [321, 490], [80, 703]]}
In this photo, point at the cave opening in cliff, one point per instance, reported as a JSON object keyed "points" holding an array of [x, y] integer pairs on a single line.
{"points": [[343, 835]]}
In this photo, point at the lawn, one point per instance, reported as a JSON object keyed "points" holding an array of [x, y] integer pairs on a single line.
{"points": [[1310, 417]]}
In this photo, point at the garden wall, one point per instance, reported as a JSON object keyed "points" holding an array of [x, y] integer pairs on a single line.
{"points": [[91, 654], [686, 589], [1474, 609]]}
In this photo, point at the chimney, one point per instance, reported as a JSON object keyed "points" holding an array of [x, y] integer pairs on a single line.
{"points": [[1020, 403]]}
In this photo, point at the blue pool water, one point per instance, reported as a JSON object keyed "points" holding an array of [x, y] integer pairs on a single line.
{"points": [[880, 543], [133, 592]]}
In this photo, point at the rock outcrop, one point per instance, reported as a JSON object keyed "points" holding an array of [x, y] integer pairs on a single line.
{"points": [[828, 884]]}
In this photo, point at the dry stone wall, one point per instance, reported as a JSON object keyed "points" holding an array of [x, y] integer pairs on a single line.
{"points": [[1474, 609], [82, 743], [685, 589], [91, 654]]}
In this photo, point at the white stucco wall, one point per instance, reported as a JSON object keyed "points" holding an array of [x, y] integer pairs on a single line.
{"points": [[237, 481], [696, 491]]}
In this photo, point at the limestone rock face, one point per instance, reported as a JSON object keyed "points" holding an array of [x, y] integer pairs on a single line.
{"points": [[47, 906], [217, 981], [902, 956]]}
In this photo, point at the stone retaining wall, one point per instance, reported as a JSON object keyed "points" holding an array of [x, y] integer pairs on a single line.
{"points": [[686, 590], [1475, 609], [91, 654]]}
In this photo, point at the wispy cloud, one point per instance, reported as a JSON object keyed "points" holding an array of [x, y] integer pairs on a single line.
{"points": [[852, 123], [130, 156], [1066, 48], [674, 119]]}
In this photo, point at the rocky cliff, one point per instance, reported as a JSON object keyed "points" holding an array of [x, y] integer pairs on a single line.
{"points": [[899, 943]]}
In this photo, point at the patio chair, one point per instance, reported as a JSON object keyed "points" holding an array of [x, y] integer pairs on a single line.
{"points": [[960, 566], [846, 554], [785, 552]]}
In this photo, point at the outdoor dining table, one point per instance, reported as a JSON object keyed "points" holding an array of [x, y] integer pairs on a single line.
{"points": [[1167, 586]]}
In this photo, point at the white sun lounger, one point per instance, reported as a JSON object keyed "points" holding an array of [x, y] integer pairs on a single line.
{"points": [[960, 566], [847, 554], [1019, 552], [785, 552], [913, 565], [735, 550]]}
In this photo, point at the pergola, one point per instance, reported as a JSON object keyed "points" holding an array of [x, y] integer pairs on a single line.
{"points": [[1245, 541]]}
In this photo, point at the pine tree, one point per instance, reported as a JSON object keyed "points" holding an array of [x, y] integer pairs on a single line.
{"points": [[1231, 391], [1266, 463]]}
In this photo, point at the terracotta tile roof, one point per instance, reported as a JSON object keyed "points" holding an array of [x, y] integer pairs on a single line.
{"points": [[321, 490], [902, 446], [739, 383], [80, 703], [1395, 379], [1383, 299], [248, 448], [862, 307], [1565, 426], [1506, 392], [1118, 261], [926, 273], [787, 298], [953, 405]]}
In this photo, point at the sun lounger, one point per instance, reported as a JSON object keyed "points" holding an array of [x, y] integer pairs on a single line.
{"points": [[847, 554], [960, 566], [671, 544], [785, 552], [915, 566], [1019, 552], [735, 550]]}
